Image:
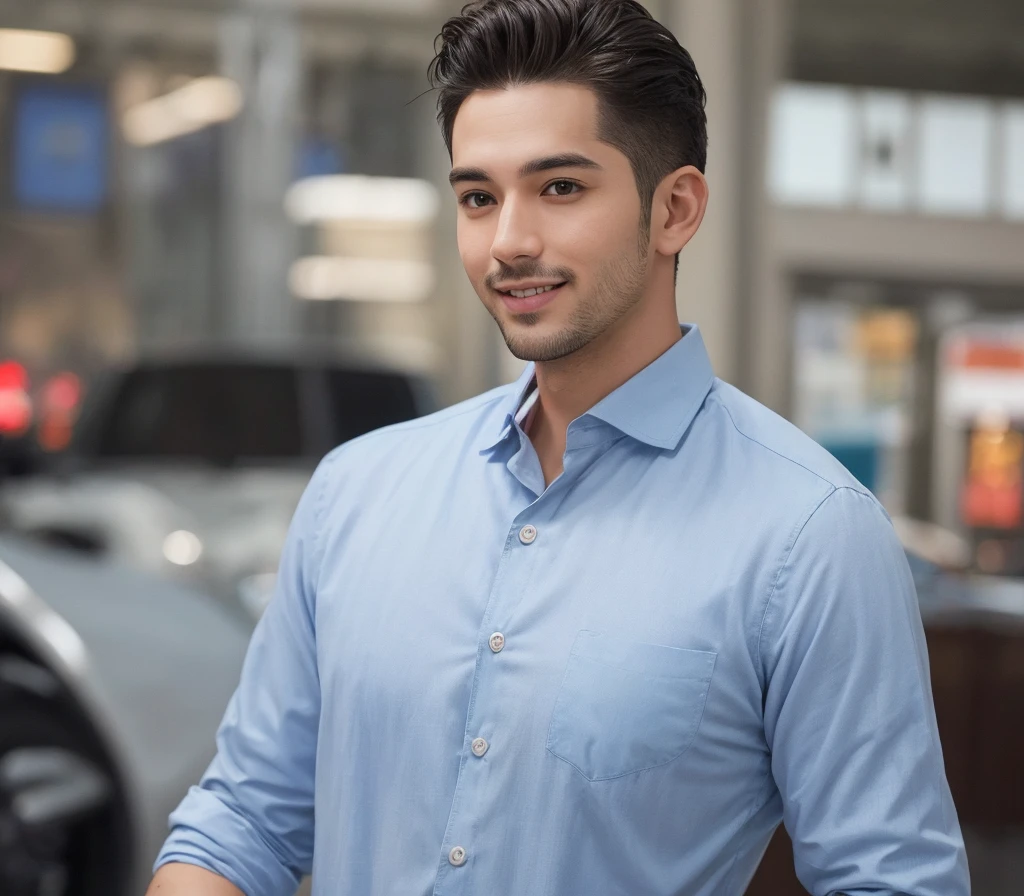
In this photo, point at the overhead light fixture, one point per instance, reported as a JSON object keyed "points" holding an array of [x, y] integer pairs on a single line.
{"points": [[353, 197], [42, 52], [361, 279], [198, 104]]}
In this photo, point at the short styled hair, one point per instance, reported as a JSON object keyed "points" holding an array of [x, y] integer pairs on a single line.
{"points": [[651, 99]]}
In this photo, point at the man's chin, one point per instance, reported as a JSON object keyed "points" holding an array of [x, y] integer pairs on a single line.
{"points": [[541, 347]]}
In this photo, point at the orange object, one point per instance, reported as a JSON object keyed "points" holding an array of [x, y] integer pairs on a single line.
{"points": [[992, 355], [986, 507], [992, 496]]}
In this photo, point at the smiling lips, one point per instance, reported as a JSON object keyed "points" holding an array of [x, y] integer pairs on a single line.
{"points": [[524, 301], [526, 293]]}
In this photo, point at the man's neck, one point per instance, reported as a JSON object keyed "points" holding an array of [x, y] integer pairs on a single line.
{"points": [[571, 386]]}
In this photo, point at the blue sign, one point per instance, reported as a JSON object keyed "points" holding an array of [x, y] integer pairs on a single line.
{"points": [[61, 148], [316, 157]]}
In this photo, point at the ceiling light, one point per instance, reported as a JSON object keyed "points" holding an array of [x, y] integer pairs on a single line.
{"points": [[206, 100], [353, 197], [198, 104], [44, 52], [361, 279]]}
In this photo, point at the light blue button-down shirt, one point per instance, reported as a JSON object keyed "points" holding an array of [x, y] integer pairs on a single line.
{"points": [[614, 686]]}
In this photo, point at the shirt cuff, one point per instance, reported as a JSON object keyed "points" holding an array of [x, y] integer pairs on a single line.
{"points": [[209, 834]]}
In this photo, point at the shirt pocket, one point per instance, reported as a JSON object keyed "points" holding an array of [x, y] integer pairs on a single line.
{"points": [[625, 706]]}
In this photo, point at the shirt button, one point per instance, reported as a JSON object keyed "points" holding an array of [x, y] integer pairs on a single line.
{"points": [[457, 856], [479, 746], [497, 642], [528, 534]]}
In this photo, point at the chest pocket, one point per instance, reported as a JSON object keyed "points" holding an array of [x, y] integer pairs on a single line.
{"points": [[626, 706]]}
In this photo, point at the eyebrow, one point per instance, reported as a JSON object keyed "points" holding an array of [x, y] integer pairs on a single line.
{"points": [[534, 166]]}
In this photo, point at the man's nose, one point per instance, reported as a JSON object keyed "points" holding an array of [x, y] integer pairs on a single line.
{"points": [[517, 235]]}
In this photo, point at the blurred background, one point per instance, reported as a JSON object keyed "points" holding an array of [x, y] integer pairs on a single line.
{"points": [[227, 244]]}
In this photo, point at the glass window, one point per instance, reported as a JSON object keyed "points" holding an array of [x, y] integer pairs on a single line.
{"points": [[211, 412], [955, 166], [812, 158], [1012, 187]]}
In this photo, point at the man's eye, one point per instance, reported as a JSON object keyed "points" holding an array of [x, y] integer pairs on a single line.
{"points": [[562, 188], [475, 200]]}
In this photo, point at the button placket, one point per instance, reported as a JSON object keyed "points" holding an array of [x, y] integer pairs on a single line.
{"points": [[479, 746]]}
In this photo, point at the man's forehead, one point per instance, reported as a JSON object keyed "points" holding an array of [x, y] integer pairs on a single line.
{"points": [[512, 125]]}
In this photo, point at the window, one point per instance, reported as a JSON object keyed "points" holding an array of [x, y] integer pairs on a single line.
{"points": [[362, 401], [220, 413]]}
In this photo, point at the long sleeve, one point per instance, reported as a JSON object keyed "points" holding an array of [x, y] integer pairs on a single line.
{"points": [[849, 716], [250, 819]]}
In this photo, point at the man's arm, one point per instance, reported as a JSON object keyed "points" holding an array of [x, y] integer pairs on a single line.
{"points": [[849, 716], [188, 880], [249, 822]]}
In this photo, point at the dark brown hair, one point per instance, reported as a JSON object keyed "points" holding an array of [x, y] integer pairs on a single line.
{"points": [[650, 96]]}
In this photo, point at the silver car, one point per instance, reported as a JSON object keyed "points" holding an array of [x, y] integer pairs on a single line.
{"points": [[190, 466], [112, 683]]}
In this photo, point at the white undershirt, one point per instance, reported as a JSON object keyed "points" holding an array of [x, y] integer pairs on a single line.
{"points": [[527, 410]]}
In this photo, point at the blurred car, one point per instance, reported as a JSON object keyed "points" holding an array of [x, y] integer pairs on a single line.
{"points": [[112, 683], [191, 466]]}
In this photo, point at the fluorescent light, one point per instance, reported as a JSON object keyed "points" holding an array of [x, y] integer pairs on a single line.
{"points": [[351, 197], [151, 122], [361, 279], [206, 100], [44, 52], [198, 104]]}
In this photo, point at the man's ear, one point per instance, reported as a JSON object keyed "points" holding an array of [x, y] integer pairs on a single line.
{"points": [[679, 205]]}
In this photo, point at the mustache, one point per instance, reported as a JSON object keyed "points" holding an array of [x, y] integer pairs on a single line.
{"points": [[527, 271]]}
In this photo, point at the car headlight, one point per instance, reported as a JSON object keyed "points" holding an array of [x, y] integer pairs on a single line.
{"points": [[255, 592], [183, 548]]}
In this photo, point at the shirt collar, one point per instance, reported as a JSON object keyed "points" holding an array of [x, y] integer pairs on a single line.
{"points": [[655, 406], [518, 393]]}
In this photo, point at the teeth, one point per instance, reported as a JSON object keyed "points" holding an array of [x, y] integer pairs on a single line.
{"points": [[526, 293]]}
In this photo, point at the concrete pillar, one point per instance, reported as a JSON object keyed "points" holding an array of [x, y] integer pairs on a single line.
{"points": [[260, 50], [729, 279], [766, 333], [707, 291]]}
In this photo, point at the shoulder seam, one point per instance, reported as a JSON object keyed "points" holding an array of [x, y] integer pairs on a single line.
{"points": [[798, 530], [794, 537], [750, 438], [785, 457], [318, 515]]}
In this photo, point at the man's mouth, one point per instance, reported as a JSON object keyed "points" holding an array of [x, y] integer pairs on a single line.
{"points": [[527, 293], [526, 301]]}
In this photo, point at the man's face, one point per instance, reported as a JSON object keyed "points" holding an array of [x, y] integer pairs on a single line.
{"points": [[544, 203]]}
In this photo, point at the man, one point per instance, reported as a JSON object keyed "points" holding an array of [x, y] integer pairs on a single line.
{"points": [[598, 632]]}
